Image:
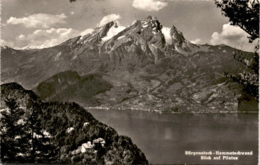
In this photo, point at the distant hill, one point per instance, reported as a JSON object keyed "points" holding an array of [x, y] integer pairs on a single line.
{"points": [[69, 86], [33, 131], [135, 68]]}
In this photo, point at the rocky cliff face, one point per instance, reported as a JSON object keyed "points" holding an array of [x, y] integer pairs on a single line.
{"points": [[33, 131], [134, 68], [180, 44]]}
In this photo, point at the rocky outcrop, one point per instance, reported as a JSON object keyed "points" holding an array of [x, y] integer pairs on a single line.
{"points": [[145, 34], [180, 44], [33, 131]]}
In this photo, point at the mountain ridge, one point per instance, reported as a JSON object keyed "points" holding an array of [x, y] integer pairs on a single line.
{"points": [[137, 67]]}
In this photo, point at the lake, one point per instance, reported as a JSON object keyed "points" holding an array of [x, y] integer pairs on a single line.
{"points": [[164, 138]]}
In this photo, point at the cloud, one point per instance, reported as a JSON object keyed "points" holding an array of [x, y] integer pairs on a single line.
{"points": [[109, 18], [21, 36], [45, 38], [39, 20], [232, 36], [149, 5], [42, 38], [166, 33], [197, 41], [6, 43], [48, 37]]}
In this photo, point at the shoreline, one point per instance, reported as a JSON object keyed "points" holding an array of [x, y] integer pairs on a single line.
{"points": [[168, 112]]}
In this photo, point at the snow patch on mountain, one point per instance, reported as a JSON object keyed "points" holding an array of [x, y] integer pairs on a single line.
{"points": [[57, 56], [87, 31], [166, 32], [112, 32], [121, 37], [33, 47]]}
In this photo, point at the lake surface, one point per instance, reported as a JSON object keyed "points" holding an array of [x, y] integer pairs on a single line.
{"points": [[164, 138]]}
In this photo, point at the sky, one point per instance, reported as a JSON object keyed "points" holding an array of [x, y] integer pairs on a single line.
{"points": [[45, 23]]}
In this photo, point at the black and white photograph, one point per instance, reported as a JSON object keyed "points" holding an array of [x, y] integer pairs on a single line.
{"points": [[129, 82]]}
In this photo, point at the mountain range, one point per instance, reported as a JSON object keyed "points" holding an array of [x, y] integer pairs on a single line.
{"points": [[134, 69]]}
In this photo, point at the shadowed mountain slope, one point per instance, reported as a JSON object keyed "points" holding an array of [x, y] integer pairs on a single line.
{"points": [[33, 131]]}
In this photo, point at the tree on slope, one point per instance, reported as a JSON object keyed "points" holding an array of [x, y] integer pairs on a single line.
{"points": [[245, 14], [242, 13], [13, 132]]}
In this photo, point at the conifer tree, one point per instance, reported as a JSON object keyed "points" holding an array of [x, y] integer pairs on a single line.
{"points": [[13, 132]]}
